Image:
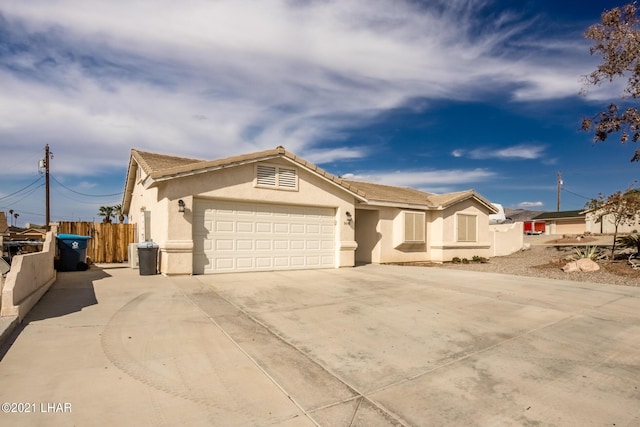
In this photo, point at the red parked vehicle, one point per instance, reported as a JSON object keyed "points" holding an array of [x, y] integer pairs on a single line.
{"points": [[534, 227]]}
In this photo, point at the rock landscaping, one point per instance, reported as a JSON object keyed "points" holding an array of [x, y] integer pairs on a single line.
{"points": [[548, 262]]}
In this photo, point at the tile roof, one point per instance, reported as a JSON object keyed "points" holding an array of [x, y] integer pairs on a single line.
{"points": [[162, 167], [153, 162], [561, 215], [391, 194]]}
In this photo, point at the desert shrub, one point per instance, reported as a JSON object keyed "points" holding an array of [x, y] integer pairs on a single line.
{"points": [[480, 259], [465, 261], [591, 252], [456, 260], [630, 241]]}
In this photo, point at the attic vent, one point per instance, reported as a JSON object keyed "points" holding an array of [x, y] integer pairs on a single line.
{"points": [[287, 178], [276, 177], [266, 175]]}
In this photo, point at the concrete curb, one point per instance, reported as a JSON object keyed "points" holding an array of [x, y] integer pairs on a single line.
{"points": [[7, 325]]}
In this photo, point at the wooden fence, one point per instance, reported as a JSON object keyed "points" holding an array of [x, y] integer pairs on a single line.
{"points": [[108, 243]]}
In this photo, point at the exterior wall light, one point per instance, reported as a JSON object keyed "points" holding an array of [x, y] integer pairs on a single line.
{"points": [[181, 206], [349, 217]]}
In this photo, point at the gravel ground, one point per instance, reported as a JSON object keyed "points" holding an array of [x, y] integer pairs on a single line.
{"points": [[547, 261]]}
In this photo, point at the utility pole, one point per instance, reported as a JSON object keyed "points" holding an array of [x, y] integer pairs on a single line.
{"points": [[45, 164], [559, 188]]}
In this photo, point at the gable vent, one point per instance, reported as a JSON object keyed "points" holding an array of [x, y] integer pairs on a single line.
{"points": [[287, 178], [266, 175]]}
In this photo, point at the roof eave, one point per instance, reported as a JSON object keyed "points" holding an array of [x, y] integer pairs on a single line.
{"points": [[168, 174], [388, 204], [472, 195], [129, 184]]}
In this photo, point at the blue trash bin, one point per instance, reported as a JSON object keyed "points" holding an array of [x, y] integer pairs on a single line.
{"points": [[73, 252]]}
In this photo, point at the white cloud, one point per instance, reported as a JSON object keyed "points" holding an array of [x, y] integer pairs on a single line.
{"points": [[436, 181], [526, 205], [523, 152], [208, 79]]}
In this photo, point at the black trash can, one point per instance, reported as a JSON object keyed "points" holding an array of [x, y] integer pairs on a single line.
{"points": [[148, 258], [73, 252]]}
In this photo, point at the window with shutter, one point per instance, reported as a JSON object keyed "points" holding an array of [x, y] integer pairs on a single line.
{"points": [[467, 228], [414, 223]]}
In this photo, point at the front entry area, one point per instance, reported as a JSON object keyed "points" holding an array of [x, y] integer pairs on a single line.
{"points": [[231, 236]]}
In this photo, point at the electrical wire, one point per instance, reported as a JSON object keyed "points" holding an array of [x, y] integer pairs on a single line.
{"points": [[576, 194], [25, 196], [83, 194], [22, 189]]}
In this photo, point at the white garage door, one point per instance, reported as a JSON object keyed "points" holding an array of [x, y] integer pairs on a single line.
{"points": [[239, 236]]}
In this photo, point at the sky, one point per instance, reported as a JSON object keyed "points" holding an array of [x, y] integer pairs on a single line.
{"points": [[439, 95]]}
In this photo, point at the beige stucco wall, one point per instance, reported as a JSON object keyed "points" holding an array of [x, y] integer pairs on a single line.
{"points": [[376, 240], [31, 275], [172, 230], [607, 227], [444, 245], [565, 226], [376, 236], [506, 238]]}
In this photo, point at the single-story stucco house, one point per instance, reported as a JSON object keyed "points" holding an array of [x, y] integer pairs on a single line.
{"points": [[583, 221], [272, 210], [563, 222]]}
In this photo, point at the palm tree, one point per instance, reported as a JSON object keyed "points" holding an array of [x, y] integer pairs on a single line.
{"points": [[11, 216], [118, 212], [16, 215], [107, 213]]}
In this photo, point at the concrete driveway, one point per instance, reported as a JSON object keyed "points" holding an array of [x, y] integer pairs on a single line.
{"points": [[374, 345]]}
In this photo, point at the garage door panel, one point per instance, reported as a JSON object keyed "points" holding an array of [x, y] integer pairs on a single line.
{"points": [[297, 261], [281, 228], [244, 245], [264, 262], [327, 230], [297, 245], [244, 263], [240, 236], [224, 245], [297, 228], [327, 244], [224, 264], [264, 227], [327, 259], [224, 226], [264, 245], [281, 245], [244, 227]]}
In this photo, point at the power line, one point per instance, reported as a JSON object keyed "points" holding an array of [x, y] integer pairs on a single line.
{"points": [[83, 194], [25, 196], [576, 194], [22, 189]]}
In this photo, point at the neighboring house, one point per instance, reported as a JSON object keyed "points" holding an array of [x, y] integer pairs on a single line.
{"points": [[4, 233], [606, 226], [4, 228], [272, 210], [563, 222]]}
